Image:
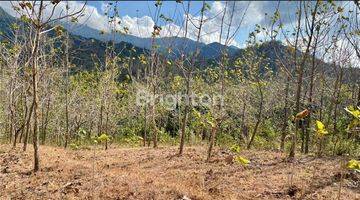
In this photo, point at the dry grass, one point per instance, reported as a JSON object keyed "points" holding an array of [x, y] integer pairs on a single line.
{"points": [[145, 173]]}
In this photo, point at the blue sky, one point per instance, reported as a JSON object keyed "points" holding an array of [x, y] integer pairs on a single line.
{"points": [[141, 8]]}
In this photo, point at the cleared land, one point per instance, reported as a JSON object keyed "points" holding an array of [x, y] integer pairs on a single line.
{"points": [[146, 173]]}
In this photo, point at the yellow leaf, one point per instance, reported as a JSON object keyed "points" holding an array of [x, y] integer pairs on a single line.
{"points": [[212, 124], [354, 112], [242, 160], [320, 129], [319, 125], [354, 165]]}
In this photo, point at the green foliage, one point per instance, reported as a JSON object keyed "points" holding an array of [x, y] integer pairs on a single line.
{"points": [[241, 160], [177, 83], [261, 142], [354, 125], [25, 19], [59, 30], [354, 165], [129, 135], [15, 26], [355, 112], [320, 129], [235, 148], [166, 138], [268, 131], [205, 7], [74, 146], [166, 19], [343, 147], [225, 140], [133, 139], [103, 138], [79, 145]]}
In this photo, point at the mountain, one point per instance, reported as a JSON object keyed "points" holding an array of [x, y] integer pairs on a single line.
{"points": [[176, 44], [214, 50], [272, 51], [82, 49], [5, 21], [86, 51]]}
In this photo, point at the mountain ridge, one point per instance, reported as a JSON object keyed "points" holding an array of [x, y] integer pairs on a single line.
{"points": [[182, 44]]}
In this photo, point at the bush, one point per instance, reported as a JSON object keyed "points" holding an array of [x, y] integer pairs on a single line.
{"points": [[225, 140], [166, 138]]}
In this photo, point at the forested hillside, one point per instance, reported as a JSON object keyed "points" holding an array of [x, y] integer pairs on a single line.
{"points": [[103, 114]]}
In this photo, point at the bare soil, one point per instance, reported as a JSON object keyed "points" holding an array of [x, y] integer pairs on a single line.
{"points": [[146, 173]]}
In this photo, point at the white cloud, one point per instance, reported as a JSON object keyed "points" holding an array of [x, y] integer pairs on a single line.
{"points": [[103, 7], [91, 18], [6, 5], [141, 27]]}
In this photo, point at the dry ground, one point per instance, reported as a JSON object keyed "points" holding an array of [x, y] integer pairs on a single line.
{"points": [[145, 173]]}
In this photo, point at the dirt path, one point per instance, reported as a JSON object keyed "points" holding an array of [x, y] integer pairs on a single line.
{"points": [[145, 173]]}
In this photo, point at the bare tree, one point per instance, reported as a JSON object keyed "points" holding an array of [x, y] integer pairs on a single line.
{"points": [[34, 12], [300, 66], [189, 70]]}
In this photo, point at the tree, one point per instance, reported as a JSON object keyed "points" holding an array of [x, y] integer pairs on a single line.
{"points": [[300, 66], [227, 19], [33, 12], [188, 69]]}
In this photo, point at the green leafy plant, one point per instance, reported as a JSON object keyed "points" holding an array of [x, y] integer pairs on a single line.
{"points": [[235, 148], [103, 139], [355, 123], [74, 146], [320, 133], [353, 165], [241, 160], [320, 129]]}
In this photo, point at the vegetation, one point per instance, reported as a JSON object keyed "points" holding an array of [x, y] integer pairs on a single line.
{"points": [[300, 96]]}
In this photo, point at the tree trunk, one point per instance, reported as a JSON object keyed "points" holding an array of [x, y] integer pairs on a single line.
{"points": [[45, 122], [67, 126], [212, 138], [336, 103], [301, 72], [154, 126], [185, 117], [28, 120], [259, 117], [321, 96], [358, 97], [310, 99], [285, 122], [145, 127], [34, 57]]}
